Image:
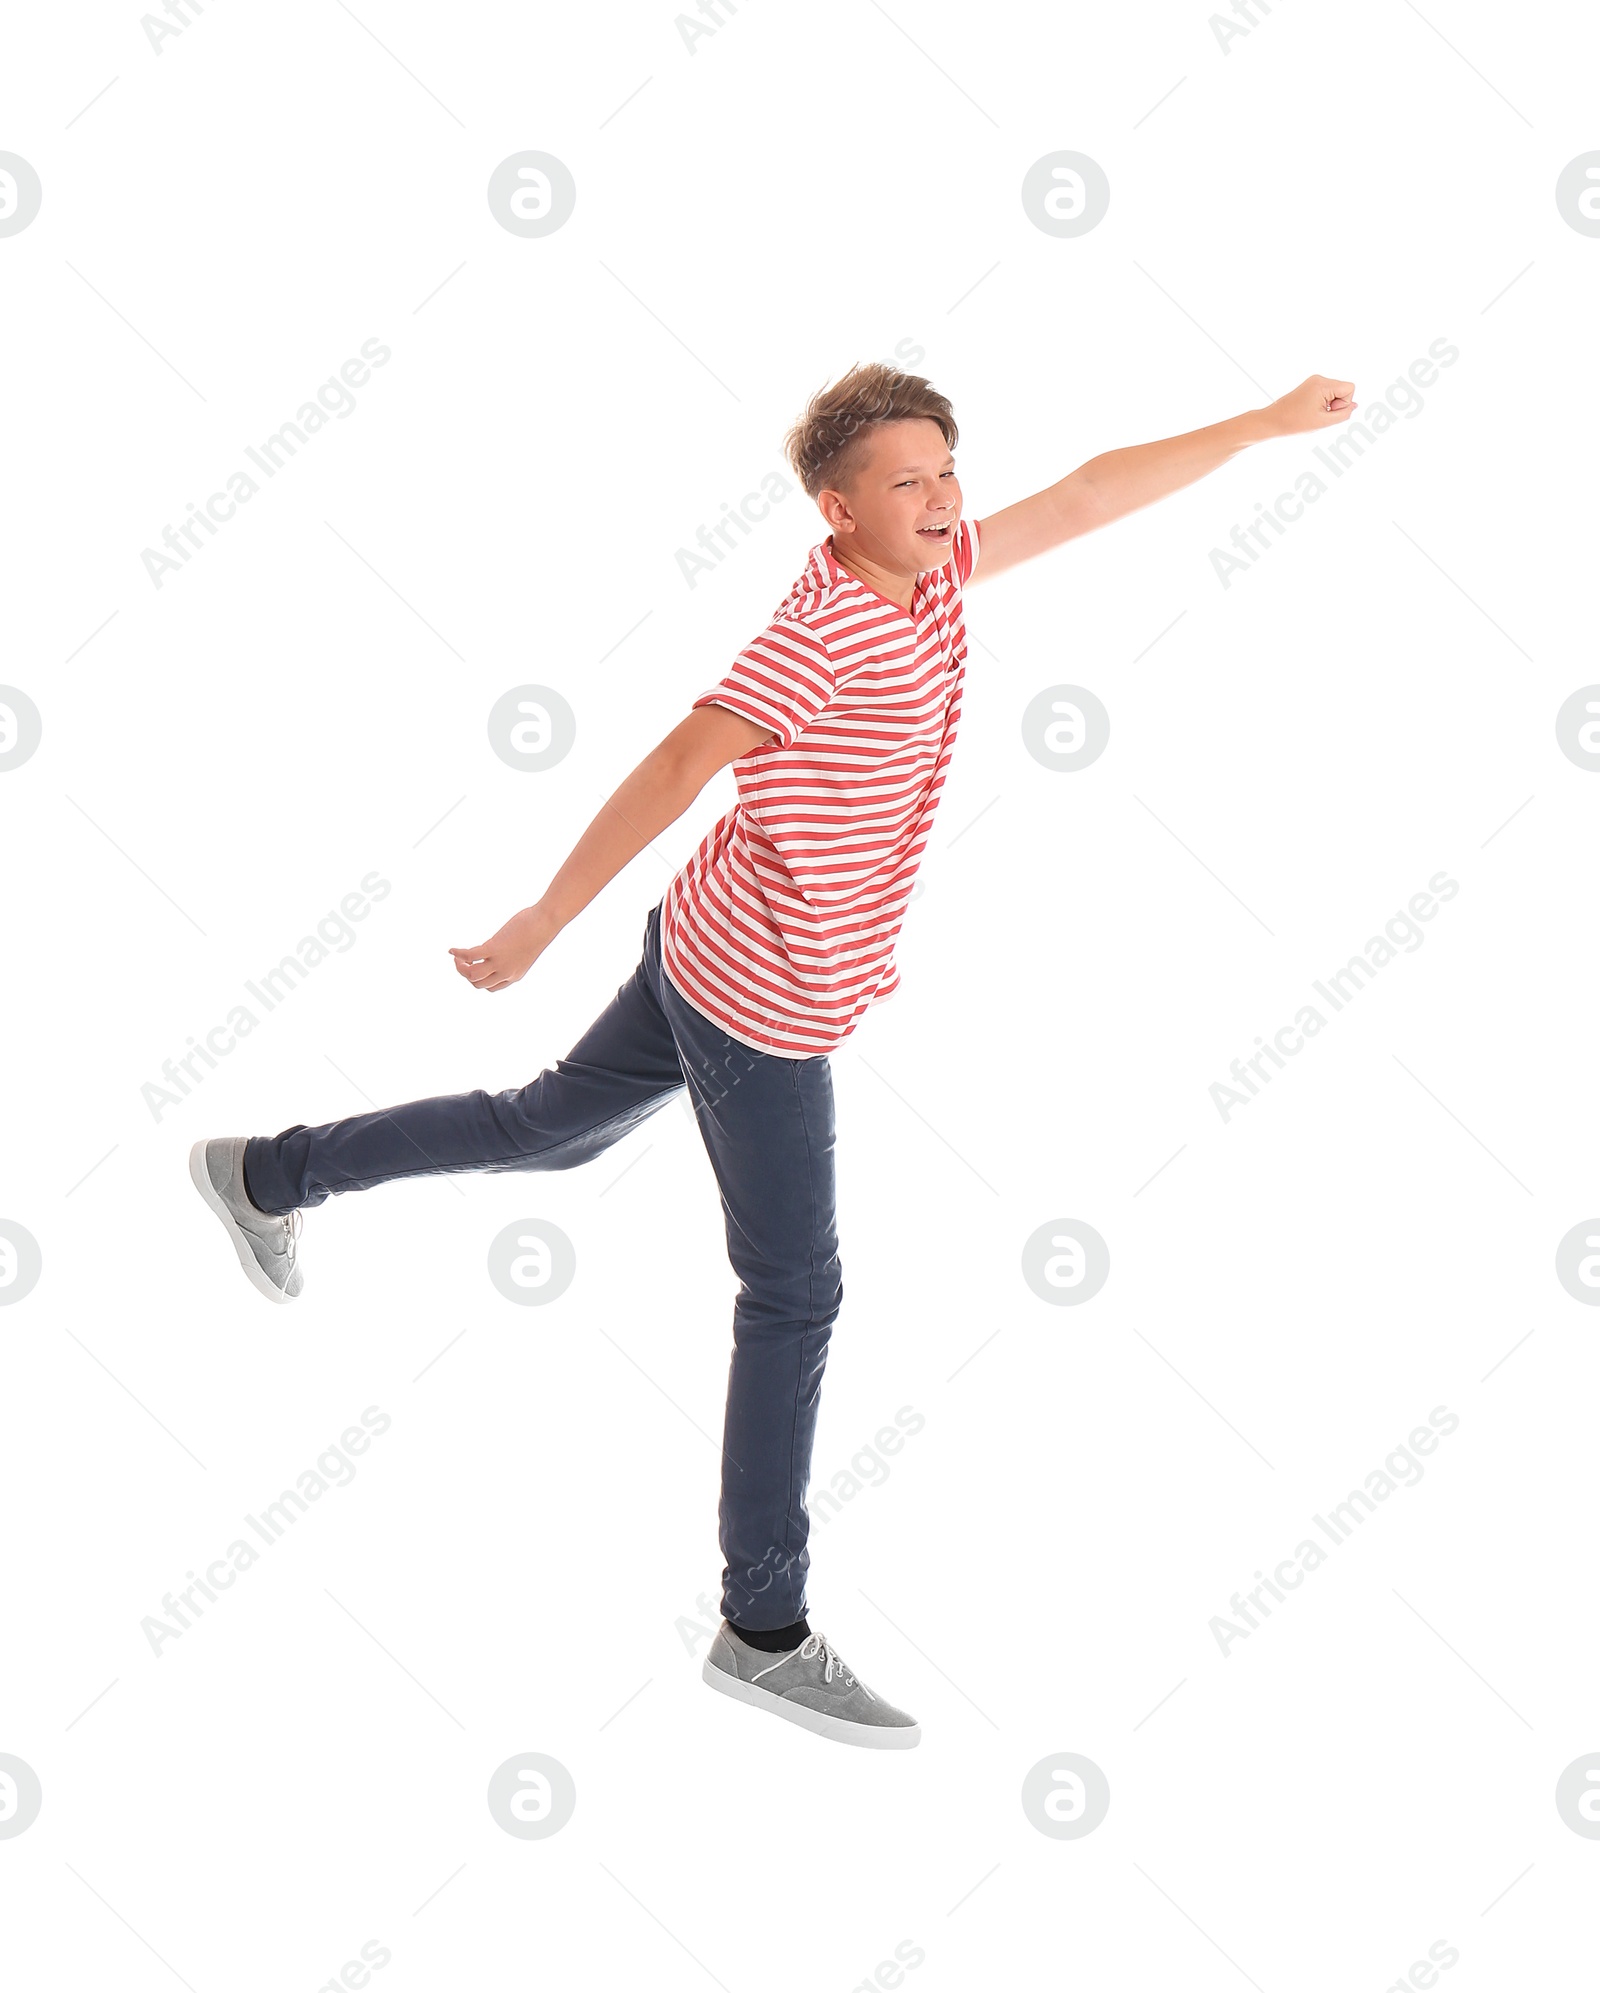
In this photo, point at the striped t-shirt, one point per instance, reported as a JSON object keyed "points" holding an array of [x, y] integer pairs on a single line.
{"points": [[781, 927]]}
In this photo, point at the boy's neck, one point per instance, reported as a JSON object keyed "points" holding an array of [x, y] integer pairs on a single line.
{"points": [[892, 582]]}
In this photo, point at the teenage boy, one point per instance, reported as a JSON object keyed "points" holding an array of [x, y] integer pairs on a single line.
{"points": [[839, 721]]}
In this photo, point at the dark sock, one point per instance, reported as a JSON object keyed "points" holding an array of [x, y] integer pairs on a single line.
{"points": [[777, 1639]]}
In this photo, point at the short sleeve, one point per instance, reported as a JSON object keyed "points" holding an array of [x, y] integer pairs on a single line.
{"points": [[782, 680], [967, 547]]}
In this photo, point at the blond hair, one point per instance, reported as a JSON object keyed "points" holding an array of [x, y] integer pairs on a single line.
{"points": [[825, 445]]}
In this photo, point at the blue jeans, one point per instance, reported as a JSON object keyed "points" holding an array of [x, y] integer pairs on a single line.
{"points": [[768, 1127]]}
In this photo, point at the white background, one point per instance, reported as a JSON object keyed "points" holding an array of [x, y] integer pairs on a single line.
{"points": [[1291, 758]]}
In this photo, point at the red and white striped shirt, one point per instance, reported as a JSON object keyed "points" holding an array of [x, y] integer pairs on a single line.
{"points": [[781, 927]]}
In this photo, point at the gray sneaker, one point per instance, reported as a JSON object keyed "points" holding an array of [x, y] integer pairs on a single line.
{"points": [[265, 1245], [810, 1686]]}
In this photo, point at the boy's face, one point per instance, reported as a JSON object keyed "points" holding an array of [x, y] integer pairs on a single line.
{"points": [[903, 502]]}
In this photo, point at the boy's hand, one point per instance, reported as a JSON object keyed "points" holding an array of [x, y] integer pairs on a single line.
{"points": [[1118, 482], [1315, 404], [505, 958], [656, 794]]}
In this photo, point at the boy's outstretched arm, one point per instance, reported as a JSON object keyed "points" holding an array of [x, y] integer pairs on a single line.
{"points": [[1110, 486], [656, 794]]}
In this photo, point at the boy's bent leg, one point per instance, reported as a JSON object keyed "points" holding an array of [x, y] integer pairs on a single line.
{"points": [[622, 1068], [768, 1126]]}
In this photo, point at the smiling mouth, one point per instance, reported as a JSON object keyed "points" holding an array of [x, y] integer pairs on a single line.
{"points": [[936, 533]]}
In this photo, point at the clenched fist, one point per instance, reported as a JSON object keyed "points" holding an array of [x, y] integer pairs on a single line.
{"points": [[1316, 403]]}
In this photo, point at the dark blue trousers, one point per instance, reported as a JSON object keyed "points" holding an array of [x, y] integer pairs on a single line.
{"points": [[768, 1127]]}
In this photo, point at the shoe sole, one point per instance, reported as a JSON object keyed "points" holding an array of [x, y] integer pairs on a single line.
{"points": [[200, 1177], [867, 1736]]}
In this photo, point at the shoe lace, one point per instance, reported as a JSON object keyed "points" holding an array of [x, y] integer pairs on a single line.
{"points": [[809, 1648], [291, 1231]]}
